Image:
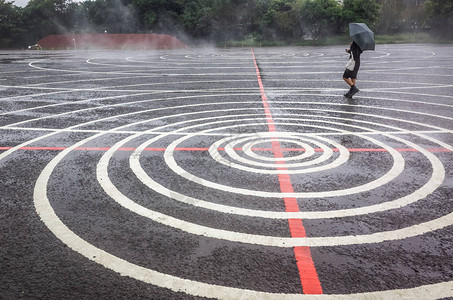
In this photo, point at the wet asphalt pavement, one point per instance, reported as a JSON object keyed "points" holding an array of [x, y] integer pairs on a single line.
{"points": [[226, 173]]}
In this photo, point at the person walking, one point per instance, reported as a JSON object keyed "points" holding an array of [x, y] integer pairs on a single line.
{"points": [[352, 67]]}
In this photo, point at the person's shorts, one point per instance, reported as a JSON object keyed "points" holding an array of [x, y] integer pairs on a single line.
{"points": [[350, 74]]}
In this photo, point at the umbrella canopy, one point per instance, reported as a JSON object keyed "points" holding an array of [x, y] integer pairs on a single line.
{"points": [[362, 36]]}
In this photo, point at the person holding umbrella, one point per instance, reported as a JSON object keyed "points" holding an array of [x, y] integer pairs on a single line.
{"points": [[352, 67], [362, 39]]}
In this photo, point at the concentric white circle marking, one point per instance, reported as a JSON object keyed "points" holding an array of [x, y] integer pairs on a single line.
{"points": [[62, 232], [196, 288], [397, 168], [326, 154], [433, 183], [247, 149], [42, 203]]}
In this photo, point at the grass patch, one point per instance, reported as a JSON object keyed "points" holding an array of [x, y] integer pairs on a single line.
{"points": [[404, 38]]}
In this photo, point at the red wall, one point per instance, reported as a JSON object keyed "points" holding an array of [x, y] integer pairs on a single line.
{"points": [[111, 41]]}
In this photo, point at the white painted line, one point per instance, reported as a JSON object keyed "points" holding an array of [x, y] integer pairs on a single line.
{"points": [[176, 284], [125, 268], [214, 152], [247, 149]]}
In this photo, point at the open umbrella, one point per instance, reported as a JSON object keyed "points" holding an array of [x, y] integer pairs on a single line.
{"points": [[362, 36]]}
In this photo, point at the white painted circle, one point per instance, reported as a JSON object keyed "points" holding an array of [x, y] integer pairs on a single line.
{"points": [[196, 288], [247, 149], [433, 183], [72, 240], [397, 168], [297, 139], [257, 167], [42, 205]]}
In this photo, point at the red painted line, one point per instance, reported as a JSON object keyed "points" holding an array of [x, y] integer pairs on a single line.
{"points": [[307, 271], [127, 149], [43, 148], [191, 149], [93, 148], [439, 150], [154, 149], [350, 149], [223, 149]]}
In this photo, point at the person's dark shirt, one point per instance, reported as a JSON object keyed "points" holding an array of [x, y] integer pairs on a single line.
{"points": [[356, 51]]}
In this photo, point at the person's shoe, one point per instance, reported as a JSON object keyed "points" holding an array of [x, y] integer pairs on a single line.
{"points": [[348, 95], [354, 90]]}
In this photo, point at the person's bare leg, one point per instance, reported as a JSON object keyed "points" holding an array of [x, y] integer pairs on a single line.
{"points": [[354, 90], [349, 81]]}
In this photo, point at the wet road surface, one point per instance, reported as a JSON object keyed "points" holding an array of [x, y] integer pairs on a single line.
{"points": [[226, 173]]}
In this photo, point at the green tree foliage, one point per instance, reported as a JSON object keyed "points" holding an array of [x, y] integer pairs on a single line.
{"points": [[413, 17], [361, 11], [281, 20], [220, 20], [158, 15], [233, 19], [391, 16], [105, 16], [10, 24], [321, 17], [196, 19], [439, 15], [44, 17]]}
